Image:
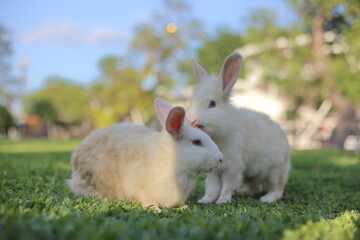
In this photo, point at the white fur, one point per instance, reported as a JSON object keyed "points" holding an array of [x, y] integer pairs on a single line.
{"points": [[255, 149], [130, 162]]}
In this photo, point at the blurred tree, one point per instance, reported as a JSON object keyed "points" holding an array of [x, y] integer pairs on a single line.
{"points": [[280, 60], [119, 95], [70, 101], [163, 46], [313, 59], [45, 109], [10, 85], [334, 28], [6, 120], [212, 54], [5, 77], [262, 25]]}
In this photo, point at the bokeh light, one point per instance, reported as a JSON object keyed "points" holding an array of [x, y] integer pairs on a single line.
{"points": [[171, 28]]}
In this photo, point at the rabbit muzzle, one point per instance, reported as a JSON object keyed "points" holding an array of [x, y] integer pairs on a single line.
{"points": [[213, 168]]}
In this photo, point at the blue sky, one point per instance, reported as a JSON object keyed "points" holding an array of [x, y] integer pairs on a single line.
{"points": [[67, 38]]}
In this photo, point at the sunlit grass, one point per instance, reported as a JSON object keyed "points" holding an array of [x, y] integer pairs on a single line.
{"points": [[348, 222], [346, 162], [37, 145], [321, 201]]}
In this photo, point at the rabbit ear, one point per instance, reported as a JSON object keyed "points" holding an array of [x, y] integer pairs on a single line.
{"points": [[175, 122], [199, 71], [162, 110], [230, 71]]}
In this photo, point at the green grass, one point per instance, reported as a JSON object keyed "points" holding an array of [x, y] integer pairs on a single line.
{"points": [[322, 201]]}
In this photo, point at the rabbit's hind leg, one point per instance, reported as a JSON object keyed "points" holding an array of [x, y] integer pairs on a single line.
{"points": [[276, 181], [252, 186]]}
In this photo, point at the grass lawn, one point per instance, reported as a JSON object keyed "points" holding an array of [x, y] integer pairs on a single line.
{"points": [[322, 201]]}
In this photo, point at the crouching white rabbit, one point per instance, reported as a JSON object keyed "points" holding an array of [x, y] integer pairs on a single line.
{"points": [[130, 162], [256, 150]]}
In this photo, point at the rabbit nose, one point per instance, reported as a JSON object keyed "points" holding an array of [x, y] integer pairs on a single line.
{"points": [[197, 125], [220, 160], [194, 123]]}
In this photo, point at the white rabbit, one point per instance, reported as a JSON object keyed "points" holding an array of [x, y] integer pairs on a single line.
{"points": [[255, 149], [130, 162]]}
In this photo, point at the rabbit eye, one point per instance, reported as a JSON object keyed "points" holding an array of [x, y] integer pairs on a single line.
{"points": [[197, 142], [212, 104]]}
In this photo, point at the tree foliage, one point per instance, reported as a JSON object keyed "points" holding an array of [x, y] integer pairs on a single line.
{"points": [[334, 28], [5, 77], [6, 119], [162, 50], [306, 64], [262, 26], [212, 54], [69, 100], [45, 109], [118, 93]]}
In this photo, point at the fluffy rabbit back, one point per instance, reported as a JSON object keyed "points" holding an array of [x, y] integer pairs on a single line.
{"points": [[103, 164]]}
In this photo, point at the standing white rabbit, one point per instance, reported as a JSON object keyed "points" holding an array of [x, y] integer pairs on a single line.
{"points": [[130, 162], [255, 149]]}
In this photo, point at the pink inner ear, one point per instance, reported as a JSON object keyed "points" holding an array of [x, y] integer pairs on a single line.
{"points": [[230, 71], [229, 75], [175, 121], [162, 110]]}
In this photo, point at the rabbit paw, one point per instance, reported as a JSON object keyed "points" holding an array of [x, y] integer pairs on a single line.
{"points": [[223, 200], [205, 200], [271, 197], [267, 199]]}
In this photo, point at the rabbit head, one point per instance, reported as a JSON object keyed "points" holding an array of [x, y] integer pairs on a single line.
{"points": [[195, 150], [209, 103]]}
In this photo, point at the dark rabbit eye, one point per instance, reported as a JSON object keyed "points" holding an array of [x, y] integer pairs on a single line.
{"points": [[212, 104], [197, 142]]}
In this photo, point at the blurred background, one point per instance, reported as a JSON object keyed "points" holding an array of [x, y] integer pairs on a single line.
{"points": [[68, 67]]}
